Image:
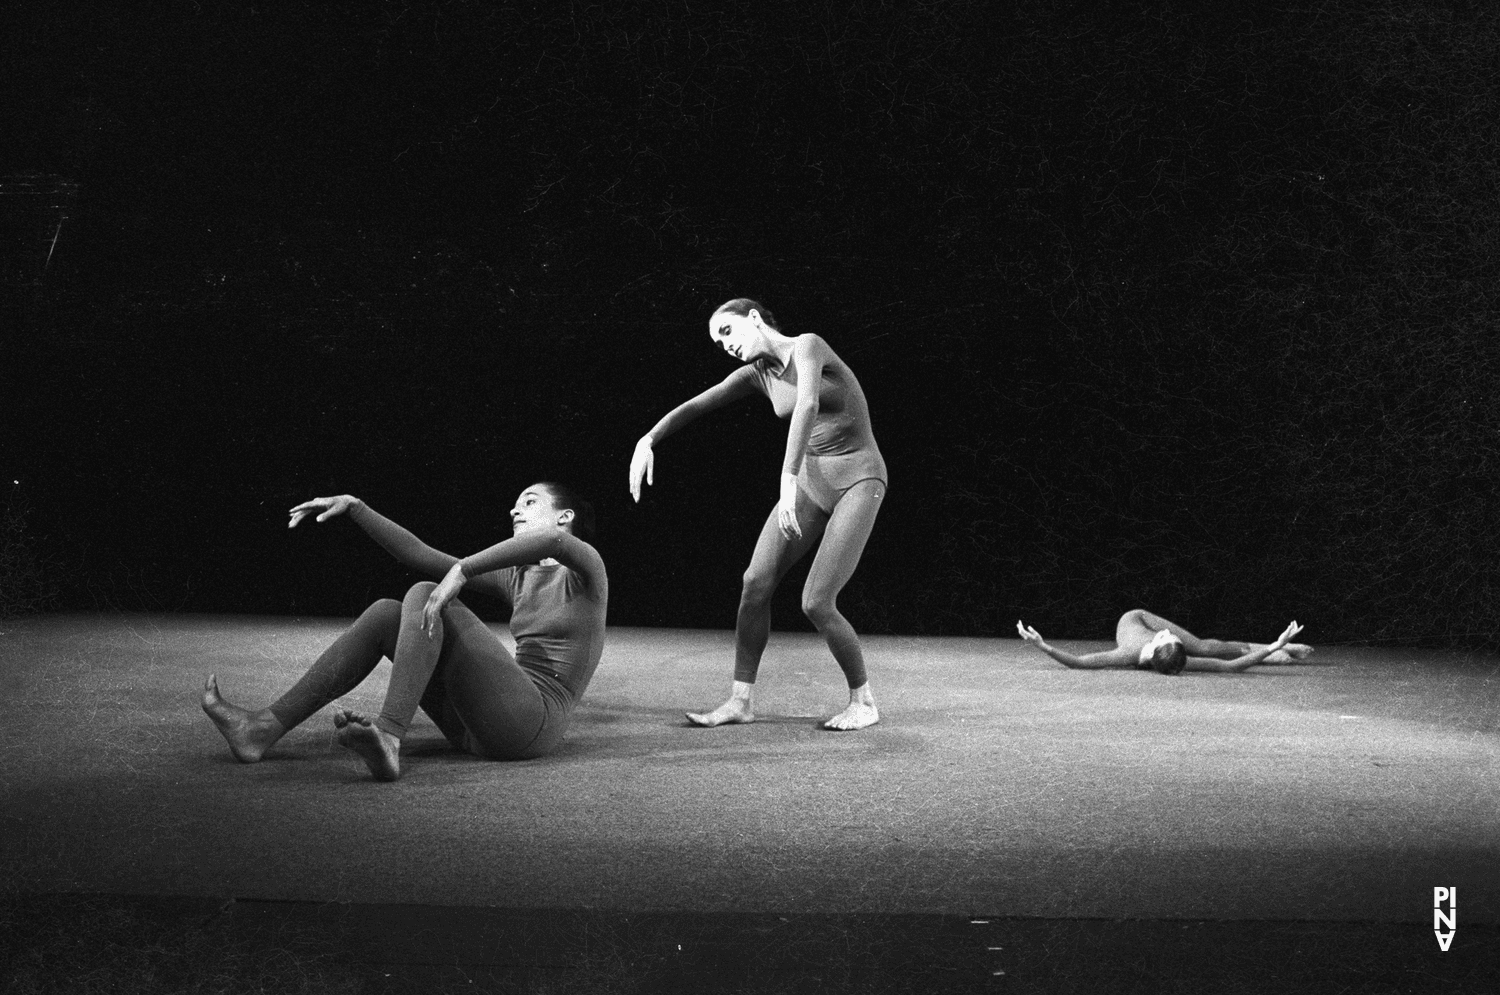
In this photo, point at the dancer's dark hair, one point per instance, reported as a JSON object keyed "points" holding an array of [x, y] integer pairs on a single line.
{"points": [[1169, 658], [566, 497], [742, 307]]}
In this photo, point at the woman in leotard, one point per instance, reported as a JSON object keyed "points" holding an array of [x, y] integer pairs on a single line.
{"points": [[443, 657], [1145, 641], [833, 480]]}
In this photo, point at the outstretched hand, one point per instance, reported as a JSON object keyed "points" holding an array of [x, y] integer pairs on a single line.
{"points": [[642, 465], [1286, 636], [329, 506], [1028, 633]]}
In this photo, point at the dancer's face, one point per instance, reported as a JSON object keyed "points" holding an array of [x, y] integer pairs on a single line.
{"points": [[535, 509], [739, 335], [1163, 638]]}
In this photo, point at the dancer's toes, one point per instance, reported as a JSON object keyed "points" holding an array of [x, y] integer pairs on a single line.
{"points": [[380, 751], [858, 715], [735, 710], [248, 733], [1290, 653]]}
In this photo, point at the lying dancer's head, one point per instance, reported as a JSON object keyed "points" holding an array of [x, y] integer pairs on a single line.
{"points": [[738, 328], [548, 504], [1164, 654]]}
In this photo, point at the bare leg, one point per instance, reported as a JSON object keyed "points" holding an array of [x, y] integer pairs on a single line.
{"points": [[1221, 649], [844, 541], [248, 733], [774, 555], [380, 750]]}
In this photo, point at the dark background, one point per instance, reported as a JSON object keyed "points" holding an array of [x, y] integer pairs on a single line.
{"points": [[1184, 306]]}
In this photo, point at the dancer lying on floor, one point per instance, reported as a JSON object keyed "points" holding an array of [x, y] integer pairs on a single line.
{"points": [[833, 480], [444, 658], [1149, 642]]}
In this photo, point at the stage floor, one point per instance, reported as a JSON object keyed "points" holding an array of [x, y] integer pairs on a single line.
{"points": [[998, 784]]}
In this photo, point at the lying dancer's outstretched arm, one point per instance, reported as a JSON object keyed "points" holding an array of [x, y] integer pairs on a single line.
{"points": [[1256, 655], [1090, 661], [740, 383], [531, 546]]}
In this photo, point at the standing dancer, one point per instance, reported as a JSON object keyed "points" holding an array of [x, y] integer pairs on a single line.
{"points": [[833, 480], [444, 658], [1149, 642]]}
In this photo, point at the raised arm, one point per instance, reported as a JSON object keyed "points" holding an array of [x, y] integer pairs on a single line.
{"points": [[1257, 655], [739, 384], [1116, 657], [405, 547]]}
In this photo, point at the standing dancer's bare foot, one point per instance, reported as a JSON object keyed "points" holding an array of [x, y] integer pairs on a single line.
{"points": [[249, 733], [860, 713], [736, 710], [380, 751]]}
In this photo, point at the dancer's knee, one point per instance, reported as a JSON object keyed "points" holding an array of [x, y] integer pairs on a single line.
{"points": [[383, 607], [386, 611], [757, 588], [419, 593], [821, 609]]}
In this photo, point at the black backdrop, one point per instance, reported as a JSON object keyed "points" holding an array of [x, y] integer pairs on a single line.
{"points": [[1184, 306]]}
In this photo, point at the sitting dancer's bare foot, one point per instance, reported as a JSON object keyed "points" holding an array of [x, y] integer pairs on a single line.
{"points": [[860, 713], [380, 751], [736, 710], [248, 733]]}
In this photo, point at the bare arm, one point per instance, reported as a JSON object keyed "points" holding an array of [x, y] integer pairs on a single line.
{"points": [[739, 384], [1090, 661], [1248, 660]]}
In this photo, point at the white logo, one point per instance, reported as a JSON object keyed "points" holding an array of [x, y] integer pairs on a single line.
{"points": [[1444, 920]]}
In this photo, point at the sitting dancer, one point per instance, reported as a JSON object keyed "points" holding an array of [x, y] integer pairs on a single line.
{"points": [[833, 480], [444, 658], [1149, 642]]}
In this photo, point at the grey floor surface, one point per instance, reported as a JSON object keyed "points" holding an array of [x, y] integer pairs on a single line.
{"points": [[997, 784]]}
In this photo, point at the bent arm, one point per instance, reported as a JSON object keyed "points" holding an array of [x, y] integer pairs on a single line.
{"points": [[406, 548], [739, 384], [810, 355], [535, 546]]}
